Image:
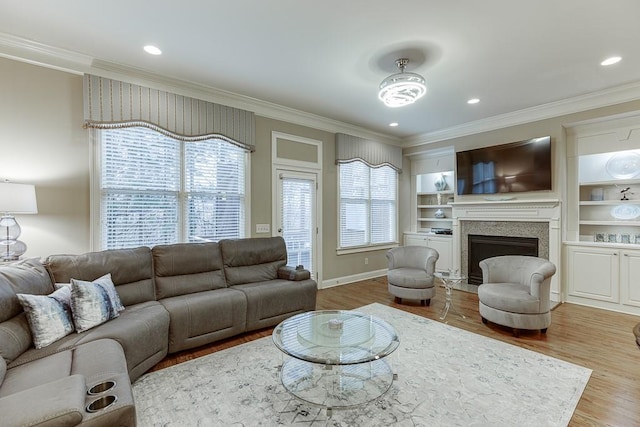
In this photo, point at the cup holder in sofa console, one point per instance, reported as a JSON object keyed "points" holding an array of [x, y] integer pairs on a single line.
{"points": [[101, 387], [101, 403]]}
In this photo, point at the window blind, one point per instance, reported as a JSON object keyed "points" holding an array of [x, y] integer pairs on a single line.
{"points": [[155, 189], [368, 199]]}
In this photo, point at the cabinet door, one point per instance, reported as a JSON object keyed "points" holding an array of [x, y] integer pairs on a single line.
{"points": [[593, 273], [443, 246], [413, 240], [629, 275]]}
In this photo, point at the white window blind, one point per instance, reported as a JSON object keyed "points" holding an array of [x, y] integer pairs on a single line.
{"points": [[158, 190], [297, 213], [368, 205]]}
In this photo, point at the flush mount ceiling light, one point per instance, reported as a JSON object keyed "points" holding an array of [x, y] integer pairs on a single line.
{"points": [[610, 61], [402, 88], [152, 50]]}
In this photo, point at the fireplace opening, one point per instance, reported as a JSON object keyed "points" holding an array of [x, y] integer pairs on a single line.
{"points": [[482, 247]]}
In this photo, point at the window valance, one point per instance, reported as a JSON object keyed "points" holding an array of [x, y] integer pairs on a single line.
{"points": [[350, 148], [114, 104]]}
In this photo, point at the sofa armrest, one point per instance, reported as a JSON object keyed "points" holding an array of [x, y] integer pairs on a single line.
{"points": [[57, 403], [293, 273]]}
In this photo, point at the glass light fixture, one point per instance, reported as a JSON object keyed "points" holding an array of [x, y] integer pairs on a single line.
{"points": [[14, 199], [402, 88]]}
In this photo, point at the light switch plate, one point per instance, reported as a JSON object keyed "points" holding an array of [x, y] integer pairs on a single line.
{"points": [[263, 228]]}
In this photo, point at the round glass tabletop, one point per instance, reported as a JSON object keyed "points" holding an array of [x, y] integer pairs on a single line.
{"points": [[335, 337]]}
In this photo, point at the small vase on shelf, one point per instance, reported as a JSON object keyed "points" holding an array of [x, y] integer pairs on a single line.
{"points": [[439, 213], [441, 183]]}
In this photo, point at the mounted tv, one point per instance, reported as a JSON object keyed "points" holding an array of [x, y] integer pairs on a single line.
{"points": [[506, 168]]}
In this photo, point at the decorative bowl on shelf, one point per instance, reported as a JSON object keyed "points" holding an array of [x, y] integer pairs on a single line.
{"points": [[624, 165], [625, 212], [439, 214]]}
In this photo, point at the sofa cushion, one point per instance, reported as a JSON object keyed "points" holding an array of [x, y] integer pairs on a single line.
{"points": [[57, 403], [15, 337], [185, 268], [269, 303], [49, 316], [254, 260], [131, 271], [95, 362], [3, 369], [192, 323], [27, 277], [93, 303]]}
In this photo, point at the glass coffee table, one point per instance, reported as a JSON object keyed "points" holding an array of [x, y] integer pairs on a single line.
{"points": [[336, 358]]}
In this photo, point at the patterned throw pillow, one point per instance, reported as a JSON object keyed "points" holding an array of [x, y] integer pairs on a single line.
{"points": [[93, 303], [49, 316]]}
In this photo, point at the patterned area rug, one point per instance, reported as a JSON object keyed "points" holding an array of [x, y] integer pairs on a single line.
{"points": [[446, 377]]}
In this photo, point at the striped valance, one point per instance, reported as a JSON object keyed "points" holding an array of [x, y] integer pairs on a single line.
{"points": [[374, 154], [111, 103]]}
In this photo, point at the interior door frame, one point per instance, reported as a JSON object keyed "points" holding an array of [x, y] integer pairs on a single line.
{"points": [[280, 163]]}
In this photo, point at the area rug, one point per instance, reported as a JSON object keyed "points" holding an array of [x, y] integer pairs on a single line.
{"points": [[446, 377]]}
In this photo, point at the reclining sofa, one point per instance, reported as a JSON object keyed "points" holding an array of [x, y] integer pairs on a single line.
{"points": [[175, 297]]}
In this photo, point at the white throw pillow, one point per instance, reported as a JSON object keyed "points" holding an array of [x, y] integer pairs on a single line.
{"points": [[93, 303], [49, 316]]}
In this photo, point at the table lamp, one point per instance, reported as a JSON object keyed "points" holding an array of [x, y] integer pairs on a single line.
{"points": [[14, 199]]}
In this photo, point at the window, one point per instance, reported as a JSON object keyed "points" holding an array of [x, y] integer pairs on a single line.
{"points": [[368, 205], [155, 189]]}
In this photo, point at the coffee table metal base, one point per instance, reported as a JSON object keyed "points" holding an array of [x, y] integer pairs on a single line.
{"points": [[336, 386]]}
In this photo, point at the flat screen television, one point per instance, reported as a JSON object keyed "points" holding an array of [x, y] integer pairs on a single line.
{"points": [[506, 168]]}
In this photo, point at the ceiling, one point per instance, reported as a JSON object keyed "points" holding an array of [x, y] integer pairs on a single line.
{"points": [[328, 57]]}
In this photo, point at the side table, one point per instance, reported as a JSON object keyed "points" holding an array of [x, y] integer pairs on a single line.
{"points": [[450, 280]]}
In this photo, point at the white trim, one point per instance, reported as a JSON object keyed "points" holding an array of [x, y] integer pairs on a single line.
{"points": [[345, 251], [302, 167], [339, 281], [24, 50], [602, 98]]}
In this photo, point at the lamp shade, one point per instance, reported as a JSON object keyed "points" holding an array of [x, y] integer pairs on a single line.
{"points": [[18, 198]]}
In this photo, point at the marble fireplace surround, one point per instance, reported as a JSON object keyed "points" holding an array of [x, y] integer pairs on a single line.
{"points": [[538, 218]]}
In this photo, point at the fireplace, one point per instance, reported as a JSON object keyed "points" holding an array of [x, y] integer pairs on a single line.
{"points": [[481, 247]]}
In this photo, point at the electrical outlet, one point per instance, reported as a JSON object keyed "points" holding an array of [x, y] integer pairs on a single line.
{"points": [[366, 261], [263, 228]]}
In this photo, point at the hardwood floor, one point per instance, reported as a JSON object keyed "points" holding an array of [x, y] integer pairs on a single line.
{"points": [[596, 339]]}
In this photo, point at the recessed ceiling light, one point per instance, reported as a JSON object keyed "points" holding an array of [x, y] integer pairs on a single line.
{"points": [[152, 50], [611, 61], [473, 101], [394, 124]]}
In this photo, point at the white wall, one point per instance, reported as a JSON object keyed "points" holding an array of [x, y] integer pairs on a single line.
{"points": [[43, 143]]}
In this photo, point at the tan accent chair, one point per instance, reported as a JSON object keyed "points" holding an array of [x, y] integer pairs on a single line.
{"points": [[516, 292], [410, 273]]}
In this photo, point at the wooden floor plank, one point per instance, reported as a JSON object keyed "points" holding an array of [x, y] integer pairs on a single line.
{"points": [[596, 339]]}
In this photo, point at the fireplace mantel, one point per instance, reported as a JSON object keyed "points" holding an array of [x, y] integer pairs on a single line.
{"points": [[543, 210], [515, 210]]}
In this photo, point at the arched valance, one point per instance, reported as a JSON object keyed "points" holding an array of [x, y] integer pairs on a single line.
{"points": [[375, 154], [110, 104]]}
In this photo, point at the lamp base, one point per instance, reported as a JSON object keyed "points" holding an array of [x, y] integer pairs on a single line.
{"points": [[12, 250]]}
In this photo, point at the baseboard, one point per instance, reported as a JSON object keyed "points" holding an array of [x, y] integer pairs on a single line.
{"points": [[330, 283]]}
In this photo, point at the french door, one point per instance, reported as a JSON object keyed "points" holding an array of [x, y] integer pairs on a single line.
{"points": [[296, 217]]}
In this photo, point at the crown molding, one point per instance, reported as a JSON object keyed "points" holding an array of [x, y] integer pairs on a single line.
{"points": [[599, 99], [20, 49]]}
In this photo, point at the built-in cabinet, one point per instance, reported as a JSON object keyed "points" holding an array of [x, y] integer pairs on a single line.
{"points": [[606, 276], [442, 244], [602, 249], [434, 195]]}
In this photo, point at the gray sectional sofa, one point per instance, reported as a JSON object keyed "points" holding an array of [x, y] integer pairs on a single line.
{"points": [[176, 297]]}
